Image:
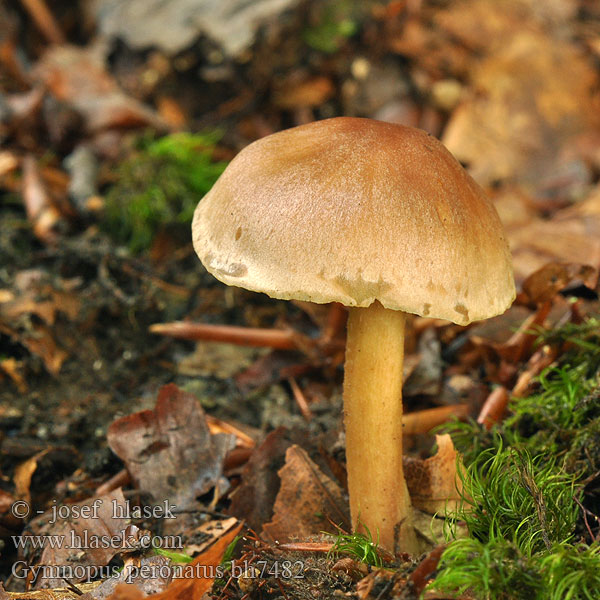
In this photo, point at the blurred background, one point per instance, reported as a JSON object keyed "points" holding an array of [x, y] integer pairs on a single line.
{"points": [[117, 116]]}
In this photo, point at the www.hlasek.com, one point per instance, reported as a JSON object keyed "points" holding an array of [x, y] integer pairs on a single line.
{"points": [[130, 573], [90, 541]]}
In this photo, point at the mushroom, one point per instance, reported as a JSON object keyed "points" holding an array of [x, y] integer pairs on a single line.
{"points": [[384, 220]]}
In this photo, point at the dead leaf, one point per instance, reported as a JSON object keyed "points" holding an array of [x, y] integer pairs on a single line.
{"points": [[83, 538], [41, 211], [169, 451], [308, 501], [254, 498], [55, 461], [304, 94], [77, 76], [130, 583], [543, 285], [13, 368], [433, 484], [201, 572], [529, 99], [39, 341], [426, 376], [572, 235]]}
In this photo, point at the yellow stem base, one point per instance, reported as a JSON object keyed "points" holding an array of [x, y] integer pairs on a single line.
{"points": [[379, 499]]}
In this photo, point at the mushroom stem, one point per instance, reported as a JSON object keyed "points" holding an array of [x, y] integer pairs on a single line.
{"points": [[379, 498]]}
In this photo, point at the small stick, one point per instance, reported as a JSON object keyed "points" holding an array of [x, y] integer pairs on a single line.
{"points": [[543, 358], [587, 512], [218, 426], [306, 546], [279, 339], [520, 343], [423, 421], [493, 408], [426, 568], [118, 480], [44, 20], [73, 587], [300, 399]]}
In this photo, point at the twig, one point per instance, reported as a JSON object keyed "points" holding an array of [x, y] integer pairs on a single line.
{"points": [[73, 587], [423, 421], [587, 512], [44, 20], [543, 358], [279, 339], [118, 480], [300, 399], [493, 408]]}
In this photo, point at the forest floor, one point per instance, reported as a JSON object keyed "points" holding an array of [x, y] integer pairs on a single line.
{"points": [[106, 146]]}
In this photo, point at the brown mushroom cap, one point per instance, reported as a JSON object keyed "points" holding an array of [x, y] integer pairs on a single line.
{"points": [[354, 210]]}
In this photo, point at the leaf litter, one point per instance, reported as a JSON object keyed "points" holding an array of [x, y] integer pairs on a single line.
{"points": [[511, 88]]}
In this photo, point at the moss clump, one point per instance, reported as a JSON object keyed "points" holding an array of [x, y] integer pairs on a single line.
{"points": [[359, 546], [159, 185], [524, 515], [336, 22]]}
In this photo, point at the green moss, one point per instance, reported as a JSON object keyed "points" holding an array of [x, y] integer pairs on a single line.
{"points": [[360, 546], [522, 512], [336, 23], [159, 185]]}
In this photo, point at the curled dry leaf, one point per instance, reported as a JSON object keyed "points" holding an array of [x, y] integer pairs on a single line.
{"points": [[55, 461], [543, 285], [433, 484], [169, 451], [254, 498], [199, 575], [41, 211], [308, 501]]}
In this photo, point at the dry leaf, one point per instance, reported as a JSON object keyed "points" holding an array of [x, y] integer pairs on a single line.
{"points": [[131, 582], [308, 501], [433, 484], [572, 235], [254, 498], [77, 76], [530, 98], [50, 460], [543, 285], [82, 536], [193, 587], [304, 94], [169, 451]]}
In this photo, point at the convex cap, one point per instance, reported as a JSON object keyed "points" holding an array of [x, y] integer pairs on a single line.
{"points": [[355, 210]]}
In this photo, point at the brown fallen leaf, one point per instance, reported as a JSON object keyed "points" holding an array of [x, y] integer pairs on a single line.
{"points": [[131, 581], [308, 502], [199, 575], [432, 483], [543, 285], [54, 461], [254, 498], [169, 451], [572, 235], [303, 94], [39, 341], [78, 77], [529, 99], [41, 211], [89, 541]]}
